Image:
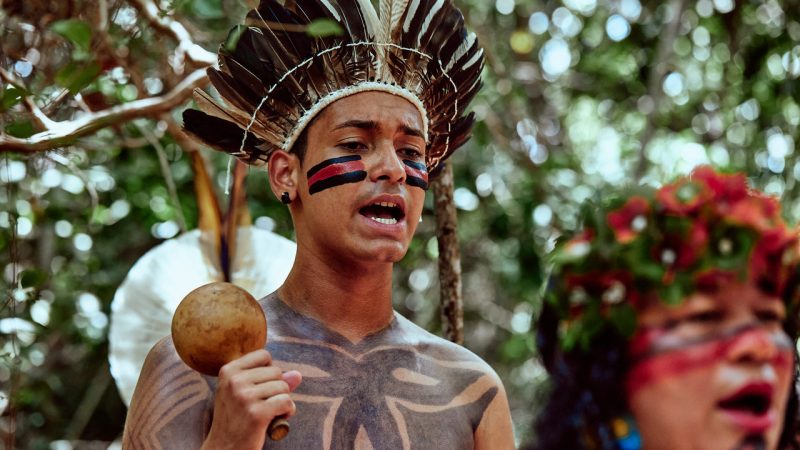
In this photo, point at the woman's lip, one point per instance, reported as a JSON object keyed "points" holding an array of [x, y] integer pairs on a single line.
{"points": [[755, 388], [751, 422]]}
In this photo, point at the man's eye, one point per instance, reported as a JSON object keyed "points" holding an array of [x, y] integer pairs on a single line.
{"points": [[411, 153], [352, 146]]}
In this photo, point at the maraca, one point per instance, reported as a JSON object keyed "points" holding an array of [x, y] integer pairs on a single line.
{"points": [[217, 323]]}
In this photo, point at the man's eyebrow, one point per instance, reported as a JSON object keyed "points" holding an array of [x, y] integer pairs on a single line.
{"points": [[373, 125], [362, 124], [411, 131]]}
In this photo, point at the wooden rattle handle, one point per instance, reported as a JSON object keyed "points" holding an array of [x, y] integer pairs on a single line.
{"points": [[278, 428]]}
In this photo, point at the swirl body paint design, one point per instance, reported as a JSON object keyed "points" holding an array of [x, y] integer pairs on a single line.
{"points": [[335, 172], [657, 355], [416, 174]]}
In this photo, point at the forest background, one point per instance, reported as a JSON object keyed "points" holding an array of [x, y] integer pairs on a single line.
{"points": [[578, 96]]}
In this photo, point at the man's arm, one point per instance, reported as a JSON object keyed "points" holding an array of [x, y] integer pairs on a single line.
{"points": [[171, 407], [495, 431]]}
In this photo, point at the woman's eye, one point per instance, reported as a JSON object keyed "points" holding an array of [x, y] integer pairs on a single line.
{"points": [[702, 317], [769, 316]]}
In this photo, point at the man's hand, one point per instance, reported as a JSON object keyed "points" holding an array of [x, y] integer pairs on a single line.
{"points": [[250, 393]]}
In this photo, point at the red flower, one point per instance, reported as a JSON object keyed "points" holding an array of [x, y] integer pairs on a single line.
{"points": [[683, 197], [630, 219], [714, 278], [773, 259], [759, 212], [726, 189], [612, 287], [682, 251]]}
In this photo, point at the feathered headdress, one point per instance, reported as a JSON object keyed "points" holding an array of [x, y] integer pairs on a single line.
{"points": [[275, 77]]}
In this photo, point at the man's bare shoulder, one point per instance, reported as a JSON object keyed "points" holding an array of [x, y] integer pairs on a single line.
{"points": [[171, 403], [435, 346]]}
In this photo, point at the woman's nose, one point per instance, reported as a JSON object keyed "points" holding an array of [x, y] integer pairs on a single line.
{"points": [[754, 344]]}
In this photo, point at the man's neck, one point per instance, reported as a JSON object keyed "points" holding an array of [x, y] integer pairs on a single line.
{"points": [[354, 301]]}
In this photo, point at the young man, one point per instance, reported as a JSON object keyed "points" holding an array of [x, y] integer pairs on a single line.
{"points": [[351, 161]]}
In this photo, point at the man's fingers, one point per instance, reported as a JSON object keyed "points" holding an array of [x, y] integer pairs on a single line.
{"points": [[280, 404], [292, 378], [269, 389], [258, 358]]}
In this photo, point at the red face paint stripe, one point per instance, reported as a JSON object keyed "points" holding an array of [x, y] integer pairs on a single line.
{"points": [[334, 170], [676, 362]]}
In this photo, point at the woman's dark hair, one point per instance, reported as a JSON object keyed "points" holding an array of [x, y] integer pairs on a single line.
{"points": [[586, 390]]}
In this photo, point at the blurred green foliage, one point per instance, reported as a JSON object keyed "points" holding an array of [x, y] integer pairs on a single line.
{"points": [[578, 95]]}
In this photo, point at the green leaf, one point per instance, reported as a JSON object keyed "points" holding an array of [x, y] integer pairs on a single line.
{"points": [[77, 76], [32, 278], [77, 31], [671, 294], [324, 28], [624, 319], [22, 129], [516, 347], [11, 96], [208, 9], [233, 37]]}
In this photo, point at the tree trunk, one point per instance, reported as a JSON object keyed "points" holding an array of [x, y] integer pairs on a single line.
{"points": [[449, 257]]}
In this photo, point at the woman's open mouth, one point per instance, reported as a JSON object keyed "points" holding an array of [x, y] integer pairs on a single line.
{"points": [[750, 407]]}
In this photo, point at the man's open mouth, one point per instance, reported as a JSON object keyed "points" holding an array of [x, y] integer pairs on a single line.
{"points": [[387, 213]]}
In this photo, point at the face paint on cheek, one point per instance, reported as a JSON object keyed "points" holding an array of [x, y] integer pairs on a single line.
{"points": [[416, 174], [657, 357], [335, 172]]}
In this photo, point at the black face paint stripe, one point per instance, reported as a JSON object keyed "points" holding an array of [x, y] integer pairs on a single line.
{"points": [[416, 174], [330, 162], [350, 177]]}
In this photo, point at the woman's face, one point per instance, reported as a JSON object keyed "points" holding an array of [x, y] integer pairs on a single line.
{"points": [[712, 373]]}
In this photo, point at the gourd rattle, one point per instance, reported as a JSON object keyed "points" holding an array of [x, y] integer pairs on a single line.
{"points": [[217, 323]]}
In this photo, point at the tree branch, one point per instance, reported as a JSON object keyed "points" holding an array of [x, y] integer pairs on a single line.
{"points": [[176, 31], [64, 133]]}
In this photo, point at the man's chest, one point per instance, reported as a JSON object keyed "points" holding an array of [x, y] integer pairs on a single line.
{"points": [[384, 397]]}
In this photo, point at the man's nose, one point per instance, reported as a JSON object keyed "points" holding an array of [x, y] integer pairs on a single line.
{"points": [[753, 345], [387, 165]]}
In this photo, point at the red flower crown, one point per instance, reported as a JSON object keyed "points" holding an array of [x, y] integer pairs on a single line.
{"points": [[694, 234]]}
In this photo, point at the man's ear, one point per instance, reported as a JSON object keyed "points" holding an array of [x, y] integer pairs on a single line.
{"points": [[284, 173]]}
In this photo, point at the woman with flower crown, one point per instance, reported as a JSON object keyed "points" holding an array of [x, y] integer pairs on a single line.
{"points": [[670, 323]]}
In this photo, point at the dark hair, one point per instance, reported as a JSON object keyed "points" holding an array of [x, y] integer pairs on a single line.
{"points": [[300, 145], [586, 393]]}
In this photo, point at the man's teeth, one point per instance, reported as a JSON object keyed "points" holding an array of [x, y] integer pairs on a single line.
{"points": [[391, 221], [387, 204]]}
